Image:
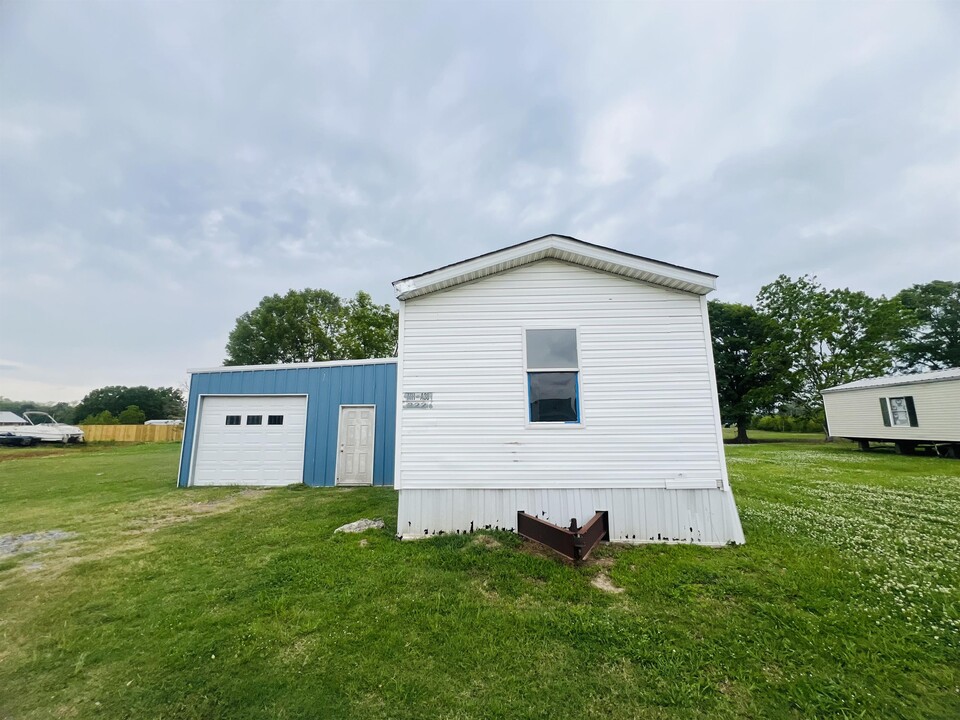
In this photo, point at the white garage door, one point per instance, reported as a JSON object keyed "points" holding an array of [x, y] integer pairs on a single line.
{"points": [[250, 440]]}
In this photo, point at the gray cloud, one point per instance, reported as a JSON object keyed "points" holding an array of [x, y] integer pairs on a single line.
{"points": [[163, 166]]}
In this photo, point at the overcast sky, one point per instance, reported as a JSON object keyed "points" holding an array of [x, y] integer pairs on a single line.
{"points": [[165, 166]]}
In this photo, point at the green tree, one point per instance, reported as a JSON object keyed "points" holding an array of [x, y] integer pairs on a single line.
{"points": [[312, 326], [301, 326], [752, 363], [369, 330], [102, 418], [156, 403], [63, 411], [931, 314], [834, 336], [132, 415]]}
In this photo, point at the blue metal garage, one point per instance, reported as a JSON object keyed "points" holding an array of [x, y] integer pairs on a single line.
{"points": [[320, 424]]}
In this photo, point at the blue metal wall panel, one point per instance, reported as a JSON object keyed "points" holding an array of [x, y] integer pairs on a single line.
{"points": [[326, 388]]}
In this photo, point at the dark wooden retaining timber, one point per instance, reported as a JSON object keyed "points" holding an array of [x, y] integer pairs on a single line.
{"points": [[574, 542]]}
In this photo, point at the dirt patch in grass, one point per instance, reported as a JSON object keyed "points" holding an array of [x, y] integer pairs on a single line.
{"points": [[489, 594], [188, 513], [602, 581], [486, 541], [601, 561], [133, 537], [31, 542], [28, 454]]}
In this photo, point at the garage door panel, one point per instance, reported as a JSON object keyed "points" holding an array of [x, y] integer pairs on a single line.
{"points": [[250, 454]]}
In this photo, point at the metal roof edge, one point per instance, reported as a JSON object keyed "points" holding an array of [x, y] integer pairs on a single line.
{"points": [[293, 366], [449, 274], [892, 381]]}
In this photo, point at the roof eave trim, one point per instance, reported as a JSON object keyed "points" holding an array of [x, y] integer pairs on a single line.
{"points": [[919, 381], [292, 366], [549, 247]]}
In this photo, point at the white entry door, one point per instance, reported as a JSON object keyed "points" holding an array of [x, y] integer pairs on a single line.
{"points": [[250, 440], [355, 439]]}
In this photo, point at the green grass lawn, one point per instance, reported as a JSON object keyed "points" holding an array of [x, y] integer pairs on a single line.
{"points": [[768, 436], [232, 603]]}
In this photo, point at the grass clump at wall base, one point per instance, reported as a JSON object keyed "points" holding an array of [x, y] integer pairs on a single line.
{"points": [[242, 603]]}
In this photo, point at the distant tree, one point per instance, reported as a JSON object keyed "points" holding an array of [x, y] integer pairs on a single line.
{"points": [[62, 411], [312, 326], [833, 336], [156, 403], [752, 363], [101, 418], [132, 415], [369, 330], [301, 326], [931, 339]]}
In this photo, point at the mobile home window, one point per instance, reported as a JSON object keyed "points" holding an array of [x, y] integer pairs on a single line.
{"points": [[899, 412], [553, 376]]}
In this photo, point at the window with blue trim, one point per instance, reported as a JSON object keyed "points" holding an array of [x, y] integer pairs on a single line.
{"points": [[553, 376]]}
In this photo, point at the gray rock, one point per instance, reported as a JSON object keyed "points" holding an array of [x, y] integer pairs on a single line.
{"points": [[361, 526]]}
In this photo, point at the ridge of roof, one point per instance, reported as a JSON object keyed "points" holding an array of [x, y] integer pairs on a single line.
{"points": [[556, 235]]}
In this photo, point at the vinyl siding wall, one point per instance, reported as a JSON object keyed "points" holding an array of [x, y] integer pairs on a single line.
{"points": [[857, 414], [648, 412]]}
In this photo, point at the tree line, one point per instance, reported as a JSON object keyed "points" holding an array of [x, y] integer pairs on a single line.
{"points": [[112, 405], [800, 338]]}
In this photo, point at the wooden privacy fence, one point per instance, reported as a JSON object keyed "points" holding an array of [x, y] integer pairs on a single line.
{"points": [[132, 433]]}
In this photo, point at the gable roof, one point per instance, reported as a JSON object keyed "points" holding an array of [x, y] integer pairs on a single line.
{"points": [[558, 247], [926, 377]]}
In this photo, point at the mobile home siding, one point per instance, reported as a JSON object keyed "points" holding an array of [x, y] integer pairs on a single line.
{"points": [[647, 403], [326, 388], [856, 413]]}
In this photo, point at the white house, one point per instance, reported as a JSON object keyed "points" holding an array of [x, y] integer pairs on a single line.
{"points": [[561, 378], [908, 410]]}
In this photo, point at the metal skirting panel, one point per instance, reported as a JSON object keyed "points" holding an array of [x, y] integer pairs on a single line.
{"points": [[700, 517]]}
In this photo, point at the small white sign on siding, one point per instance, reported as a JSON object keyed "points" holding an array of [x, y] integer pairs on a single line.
{"points": [[417, 400]]}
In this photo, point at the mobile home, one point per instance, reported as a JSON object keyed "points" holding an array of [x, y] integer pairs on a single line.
{"points": [[907, 410], [560, 378]]}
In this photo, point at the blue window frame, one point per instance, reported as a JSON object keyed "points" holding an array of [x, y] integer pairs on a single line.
{"points": [[553, 376]]}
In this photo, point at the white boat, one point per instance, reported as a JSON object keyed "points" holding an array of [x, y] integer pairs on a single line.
{"points": [[8, 418], [44, 428]]}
